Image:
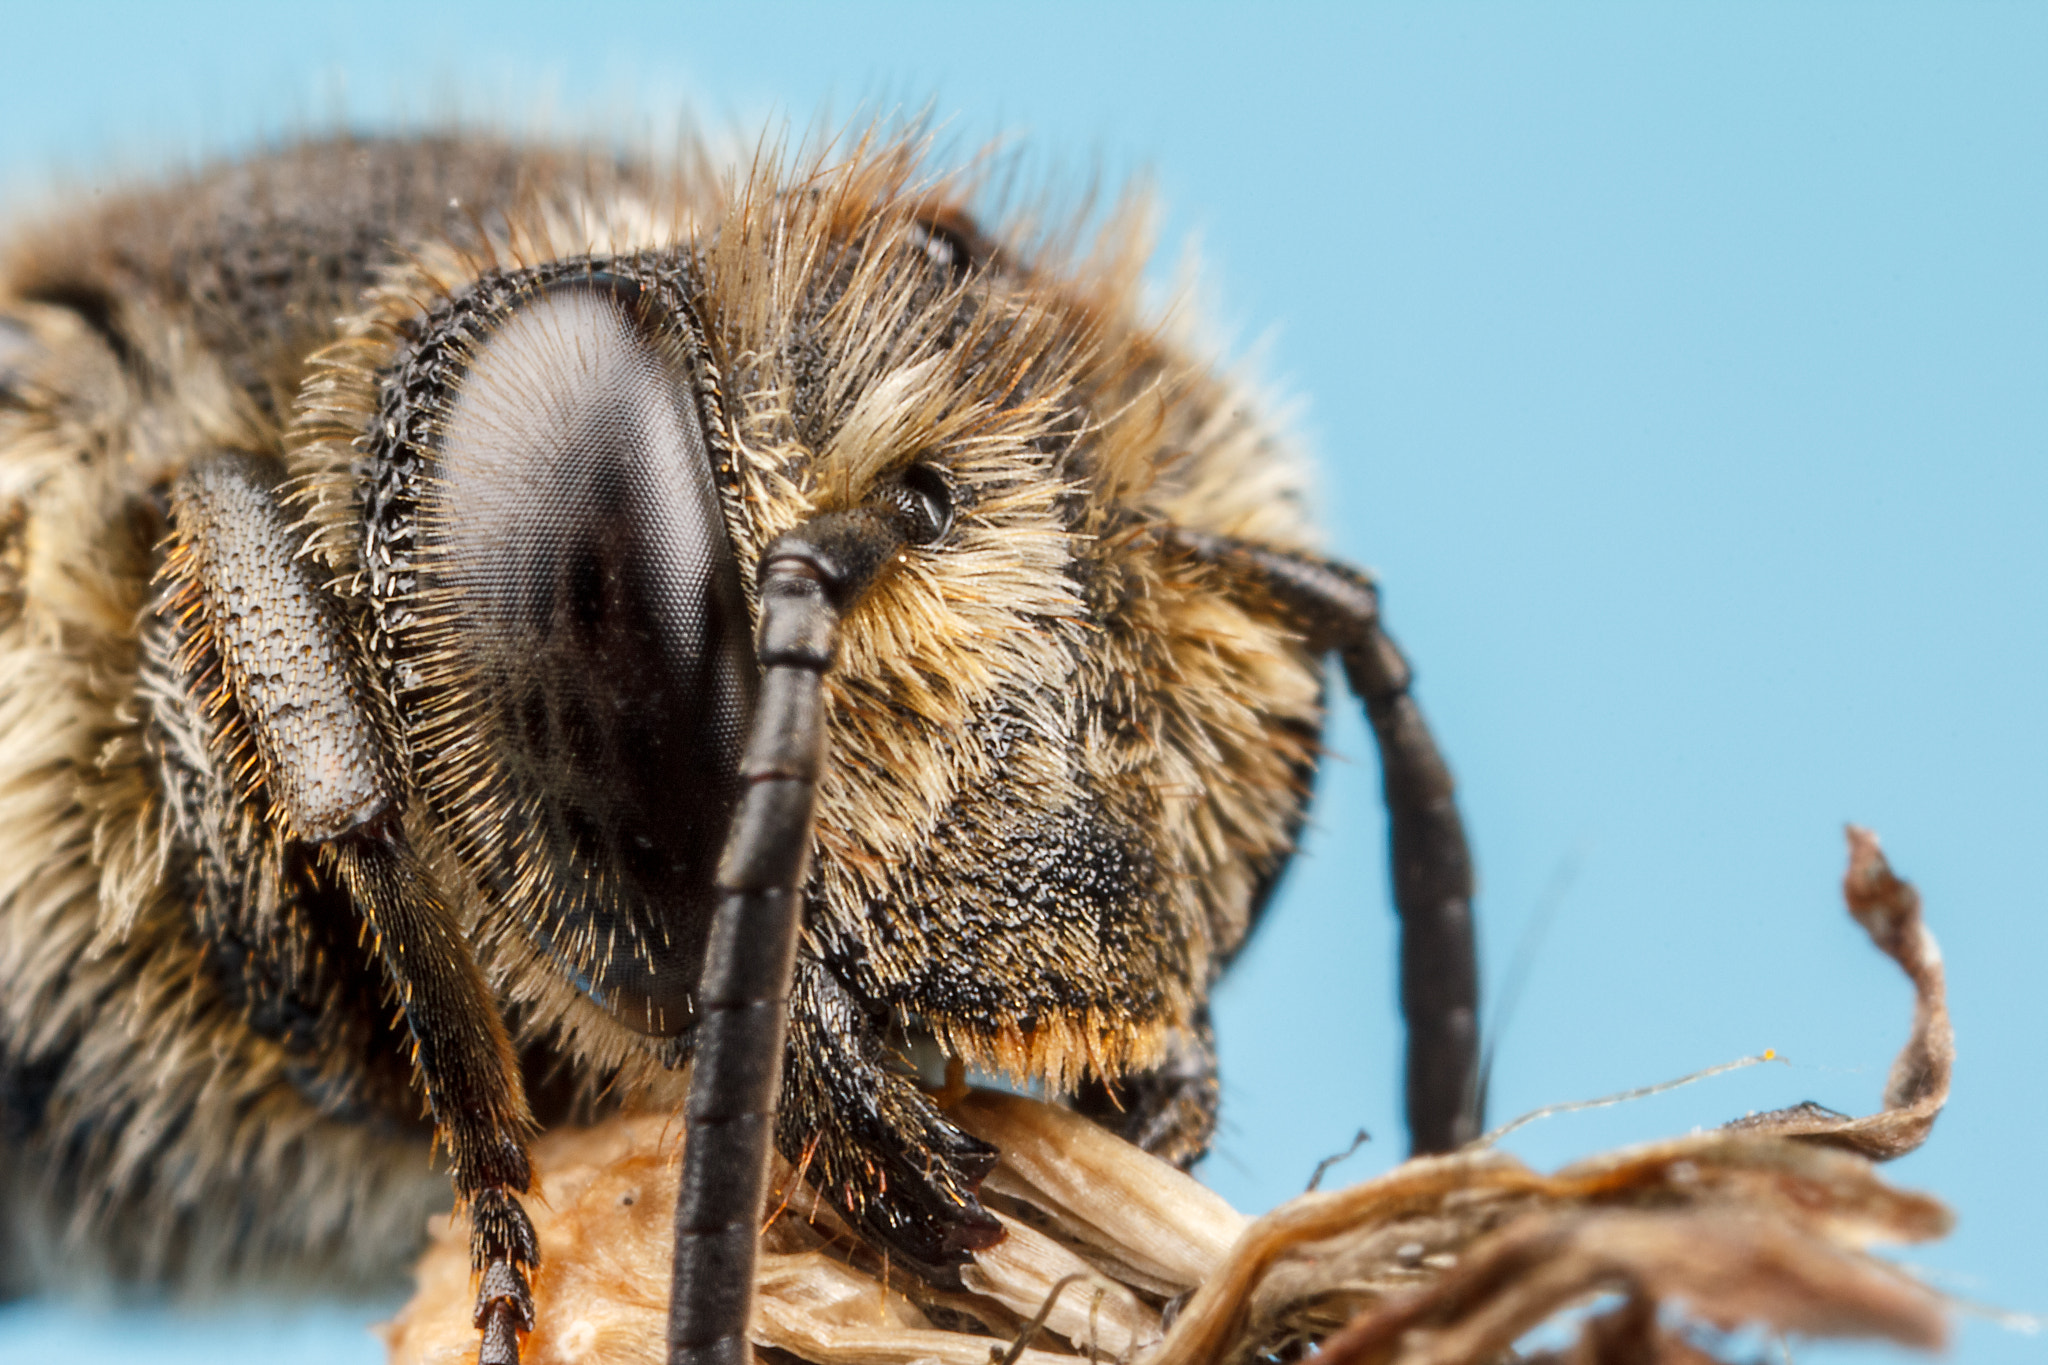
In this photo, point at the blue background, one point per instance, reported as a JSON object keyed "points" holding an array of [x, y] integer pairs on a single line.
{"points": [[1682, 369]]}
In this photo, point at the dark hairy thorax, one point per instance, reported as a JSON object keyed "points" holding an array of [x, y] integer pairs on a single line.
{"points": [[262, 256]]}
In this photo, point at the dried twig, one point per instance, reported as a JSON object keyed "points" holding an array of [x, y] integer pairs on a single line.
{"points": [[1728, 1269]]}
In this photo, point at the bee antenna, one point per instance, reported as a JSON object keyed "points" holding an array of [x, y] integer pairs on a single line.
{"points": [[1337, 607], [809, 578]]}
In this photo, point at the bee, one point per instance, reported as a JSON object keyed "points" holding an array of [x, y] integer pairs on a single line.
{"points": [[496, 634]]}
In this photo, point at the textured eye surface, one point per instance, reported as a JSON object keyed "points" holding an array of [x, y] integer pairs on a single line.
{"points": [[582, 602]]}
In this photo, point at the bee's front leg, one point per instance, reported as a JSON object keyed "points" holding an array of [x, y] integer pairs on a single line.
{"points": [[465, 1062], [263, 653], [872, 1142]]}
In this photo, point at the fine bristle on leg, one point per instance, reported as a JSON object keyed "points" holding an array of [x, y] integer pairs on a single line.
{"points": [[471, 1076]]}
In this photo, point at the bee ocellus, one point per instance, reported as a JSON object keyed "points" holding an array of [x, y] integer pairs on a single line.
{"points": [[494, 634]]}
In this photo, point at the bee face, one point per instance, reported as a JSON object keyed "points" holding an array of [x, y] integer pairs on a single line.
{"points": [[496, 474]]}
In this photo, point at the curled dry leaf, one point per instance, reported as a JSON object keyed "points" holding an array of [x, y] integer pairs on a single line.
{"points": [[1448, 1260], [1889, 911]]}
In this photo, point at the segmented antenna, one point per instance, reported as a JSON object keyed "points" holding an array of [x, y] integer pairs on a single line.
{"points": [[809, 579], [1339, 609]]}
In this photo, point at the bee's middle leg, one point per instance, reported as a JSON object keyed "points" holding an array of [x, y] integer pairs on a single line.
{"points": [[466, 1063]]}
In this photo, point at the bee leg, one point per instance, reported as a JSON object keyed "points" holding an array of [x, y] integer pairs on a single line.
{"points": [[292, 720], [872, 1142], [1338, 609], [1169, 1111], [466, 1062]]}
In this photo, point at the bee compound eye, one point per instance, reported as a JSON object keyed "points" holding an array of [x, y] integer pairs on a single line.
{"points": [[581, 600]]}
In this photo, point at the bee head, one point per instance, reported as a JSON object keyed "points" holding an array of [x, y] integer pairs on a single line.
{"points": [[573, 469]]}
